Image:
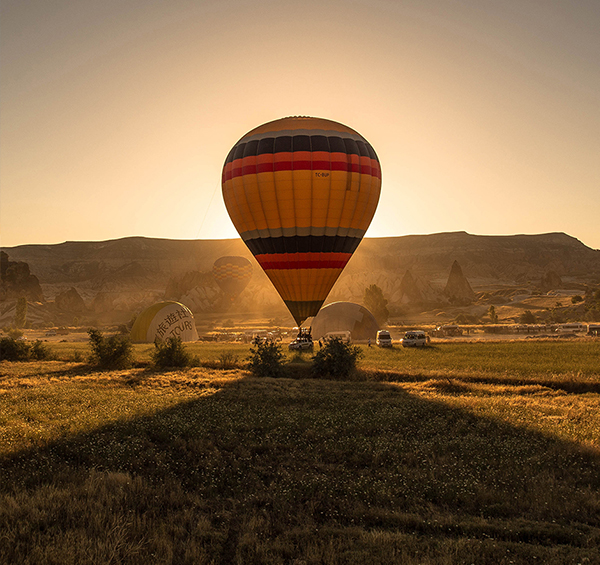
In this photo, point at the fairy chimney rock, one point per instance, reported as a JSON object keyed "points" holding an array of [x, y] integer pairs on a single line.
{"points": [[69, 301], [458, 289], [410, 289]]}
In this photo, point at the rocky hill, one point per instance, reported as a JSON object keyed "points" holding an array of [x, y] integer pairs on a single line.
{"points": [[120, 277]]}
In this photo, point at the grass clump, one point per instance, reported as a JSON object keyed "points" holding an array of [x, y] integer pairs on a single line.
{"points": [[171, 353], [228, 360], [266, 360], [114, 352], [12, 349], [336, 359]]}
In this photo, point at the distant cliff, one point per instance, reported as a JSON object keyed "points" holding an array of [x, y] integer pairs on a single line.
{"points": [[131, 272]]}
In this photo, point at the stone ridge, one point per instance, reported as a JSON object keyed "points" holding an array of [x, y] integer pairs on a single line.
{"points": [[131, 271]]}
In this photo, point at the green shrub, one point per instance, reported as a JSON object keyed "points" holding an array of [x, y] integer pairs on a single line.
{"points": [[171, 353], [14, 333], [228, 360], [12, 349], [114, 352], [39, 351], [336, 359], [527, 317], [266, 360]]}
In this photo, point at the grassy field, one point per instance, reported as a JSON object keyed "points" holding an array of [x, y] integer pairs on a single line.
{"points": [[460, 453]]}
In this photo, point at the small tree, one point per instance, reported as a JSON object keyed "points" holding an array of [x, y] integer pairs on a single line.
{"points": [[336, 359], [14, 333], [171, 353], [375, 302], [493, 315], [266, 360], [114, 352], [576, 299], [527, 317], [21, 313]]}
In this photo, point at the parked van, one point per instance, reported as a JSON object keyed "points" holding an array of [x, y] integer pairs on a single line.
{"points": [[594, 330], [384, 339], [572, 328], [414, 338], [343, 335]]}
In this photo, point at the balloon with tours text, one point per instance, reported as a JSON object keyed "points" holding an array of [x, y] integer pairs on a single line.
{"points": [[162, 321], [302, 192], [232, 275]]}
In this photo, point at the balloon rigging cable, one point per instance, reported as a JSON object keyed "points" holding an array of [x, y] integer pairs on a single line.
{"points": [[217, 185]]}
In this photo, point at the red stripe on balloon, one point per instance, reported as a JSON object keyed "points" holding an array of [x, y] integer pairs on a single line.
{"points": [[278, 261], [240, 168]]}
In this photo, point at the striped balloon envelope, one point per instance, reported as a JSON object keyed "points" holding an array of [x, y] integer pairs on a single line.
{"points": [[232, 274], [302, 192]]}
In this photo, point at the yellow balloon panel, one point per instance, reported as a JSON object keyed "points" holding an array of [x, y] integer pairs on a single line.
{"points": [[302, 192]]}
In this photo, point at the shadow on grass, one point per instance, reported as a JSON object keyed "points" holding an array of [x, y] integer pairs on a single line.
{"points": [[565, 383], [320, 471]]}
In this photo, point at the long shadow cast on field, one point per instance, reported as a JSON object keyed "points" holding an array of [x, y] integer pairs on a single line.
{"points": [[314, 455], [559, 383]]}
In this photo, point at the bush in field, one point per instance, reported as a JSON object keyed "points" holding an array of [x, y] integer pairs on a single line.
{"points": [[266, 360], [466, 319], [12, 349], [336, 359], [228, 360], [14, 333], [114, 352], [171, 353], [528, 317], [39, 351]]}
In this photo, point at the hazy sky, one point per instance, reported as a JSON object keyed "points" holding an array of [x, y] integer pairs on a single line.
{"points": [[117, 115]]}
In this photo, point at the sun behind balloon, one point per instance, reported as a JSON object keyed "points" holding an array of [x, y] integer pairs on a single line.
{"points": [[301, 192]]}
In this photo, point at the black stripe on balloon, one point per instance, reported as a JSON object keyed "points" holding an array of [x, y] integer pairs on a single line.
{"points": [[303, 244], [289, 144], [302, 310]]}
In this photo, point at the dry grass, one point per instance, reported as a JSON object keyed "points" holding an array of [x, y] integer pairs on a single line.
{"points": [[212, 466]]}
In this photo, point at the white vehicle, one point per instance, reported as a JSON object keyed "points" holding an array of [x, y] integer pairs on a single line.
{"points": [[344, 336], [414, 338], [384, 339], [572, 328], [301, 343]]}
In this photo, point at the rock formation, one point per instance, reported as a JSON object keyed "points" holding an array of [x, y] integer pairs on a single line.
{"points": [[70, 301], [103, 302], [16, 281], [198, 291], [410, 290], [550, 281], [134, 272], [458, 290]]}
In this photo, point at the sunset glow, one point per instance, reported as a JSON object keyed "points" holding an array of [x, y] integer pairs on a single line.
{"points": [[117, 117]]}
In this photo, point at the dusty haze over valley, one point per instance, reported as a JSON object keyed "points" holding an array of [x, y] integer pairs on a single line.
{"points": [[424, 278]]}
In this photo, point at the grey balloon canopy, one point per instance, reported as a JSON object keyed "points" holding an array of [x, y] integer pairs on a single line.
{"points": [[345, 316]]}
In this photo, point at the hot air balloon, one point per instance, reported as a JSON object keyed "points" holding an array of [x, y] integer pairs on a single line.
{"points": [[232, 275], [345, 316], [162, 321], [302, 192]]}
